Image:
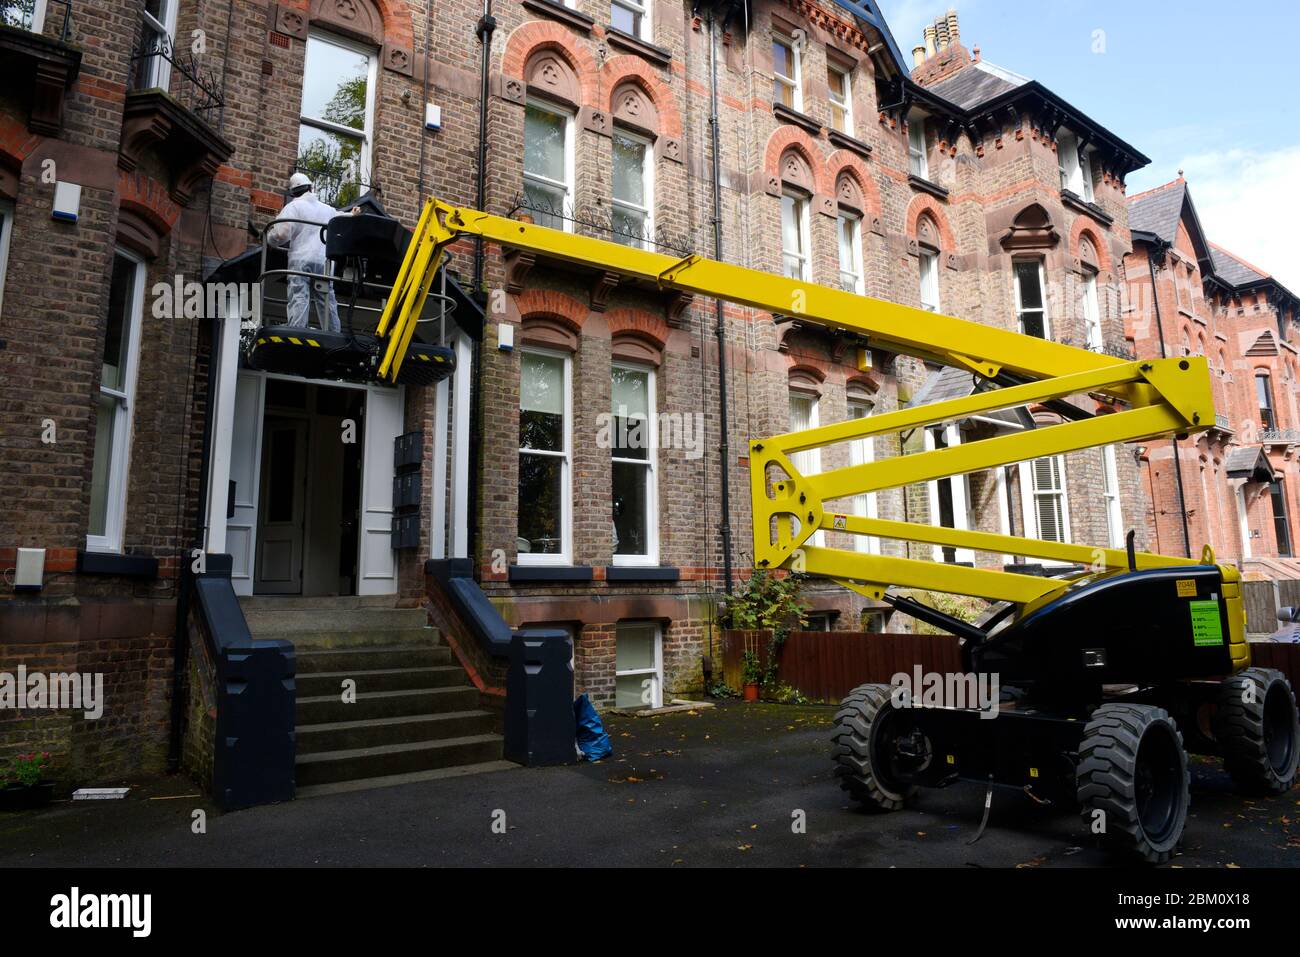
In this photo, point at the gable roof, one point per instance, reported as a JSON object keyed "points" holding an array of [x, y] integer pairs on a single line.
{"points": [[1249, 462], [1158, 210], [1233, 270]]}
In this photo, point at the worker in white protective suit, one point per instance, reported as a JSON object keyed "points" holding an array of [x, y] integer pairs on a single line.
{"points": [[306, 255]]}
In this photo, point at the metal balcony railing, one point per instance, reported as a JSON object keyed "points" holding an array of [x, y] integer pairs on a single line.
{"points": [[157, 64]]}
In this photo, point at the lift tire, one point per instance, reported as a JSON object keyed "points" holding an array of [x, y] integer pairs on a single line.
{"points": [[857, 724], [1133, 767], [1259, 740]]}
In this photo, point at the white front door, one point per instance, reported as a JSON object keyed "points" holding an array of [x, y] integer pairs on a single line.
{"points": [[377, 562], [281, 518]]}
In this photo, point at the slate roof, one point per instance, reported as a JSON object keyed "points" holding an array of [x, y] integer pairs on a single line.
{"points": [[1249, 462], [953, 383], [1232, 270], [977, 84], [1158, 211]]}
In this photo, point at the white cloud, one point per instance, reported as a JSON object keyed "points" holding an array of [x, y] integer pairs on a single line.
{"points": [[1248, 203]]}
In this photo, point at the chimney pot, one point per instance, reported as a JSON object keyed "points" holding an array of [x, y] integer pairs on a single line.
{"points": [[929, 41], [918, 55]]}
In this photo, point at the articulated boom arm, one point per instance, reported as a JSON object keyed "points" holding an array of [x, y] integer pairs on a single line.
{"points": [[1159, 397]]}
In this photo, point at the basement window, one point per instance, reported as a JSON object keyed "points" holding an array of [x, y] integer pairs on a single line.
{"points": [[115, 405], [638, 666]]}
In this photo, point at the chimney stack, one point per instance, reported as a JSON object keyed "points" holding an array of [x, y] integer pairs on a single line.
{"points": [[942, 55]]}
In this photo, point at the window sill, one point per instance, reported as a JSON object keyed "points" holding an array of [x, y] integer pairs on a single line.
{"points": [[655, 54], [925, 186], [851, 143], [115, 563], [1077, 202], [788, 115], [641, 573], [558, 11], [550, 574]]}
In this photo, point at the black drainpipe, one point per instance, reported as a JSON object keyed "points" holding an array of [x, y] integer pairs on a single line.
{"points": [[724, 443], [1164, 354], [486, 26]]}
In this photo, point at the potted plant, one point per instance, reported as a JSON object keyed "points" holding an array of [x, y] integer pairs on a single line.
{"points": [[23, 788], [752, 675]]}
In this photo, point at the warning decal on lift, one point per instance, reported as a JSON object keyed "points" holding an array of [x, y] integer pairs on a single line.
{"points": [[1206, 627], [1186, 587]]}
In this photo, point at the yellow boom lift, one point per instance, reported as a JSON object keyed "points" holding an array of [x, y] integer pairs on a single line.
{"points": [[1106, 677]]}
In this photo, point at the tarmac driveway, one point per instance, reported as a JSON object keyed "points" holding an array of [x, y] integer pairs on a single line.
{"points": [[717, 787]]}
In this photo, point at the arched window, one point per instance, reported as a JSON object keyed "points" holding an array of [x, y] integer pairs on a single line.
{"points": [[636, 124], [927, 241], [796, 193], [848, 230]]}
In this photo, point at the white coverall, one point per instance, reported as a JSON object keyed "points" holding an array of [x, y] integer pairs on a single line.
{"points": [[307, 254]]}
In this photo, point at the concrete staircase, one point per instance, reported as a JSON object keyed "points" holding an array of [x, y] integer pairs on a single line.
{"points": [[416, 713]]}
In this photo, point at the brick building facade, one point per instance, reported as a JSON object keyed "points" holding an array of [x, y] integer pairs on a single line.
{"points": [[1233, 487], [939, 181]]}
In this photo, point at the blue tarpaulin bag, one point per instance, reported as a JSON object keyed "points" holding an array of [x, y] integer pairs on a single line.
{"points": [[592, 738]]}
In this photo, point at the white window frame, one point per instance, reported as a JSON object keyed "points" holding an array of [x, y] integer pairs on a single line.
{"points": [[6, 230], [367, 134], [1091, 314], [809, 461], [647, 185], [928, 265], [918, 159], [565, 555], [863, 452], [846, 103], [38, 18], [1110, 494], [1030, 493], [960, 485], [1074, 165], [566, 222], [159, 70], [1243, 520], [651, 464], [642, 7], [792, 83], [853, 274], [1042, 292], [804, 232], [119, 466], [656, 674]]}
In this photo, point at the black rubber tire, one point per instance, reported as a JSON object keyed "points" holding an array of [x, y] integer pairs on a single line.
{"points": [[1133, 767], [1260, 740], [857, 725]]}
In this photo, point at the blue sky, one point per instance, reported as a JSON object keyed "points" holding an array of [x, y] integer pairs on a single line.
{"points": [[1186, 84]]}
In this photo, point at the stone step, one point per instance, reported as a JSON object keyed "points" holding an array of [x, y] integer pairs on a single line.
{"points": [[358, 638], [331, 602], [266, 621], [348, 735], [329, 766], [394, 780], [323, 709], [388, 679], [371, 658]]}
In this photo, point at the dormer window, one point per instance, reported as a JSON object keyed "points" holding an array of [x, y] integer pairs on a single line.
{"points": [[1074, 165]]}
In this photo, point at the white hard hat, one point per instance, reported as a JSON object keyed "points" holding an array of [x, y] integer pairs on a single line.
{"points": [[299, 180]]}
